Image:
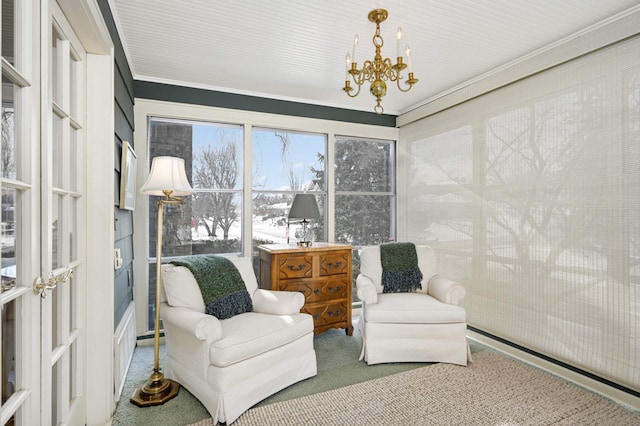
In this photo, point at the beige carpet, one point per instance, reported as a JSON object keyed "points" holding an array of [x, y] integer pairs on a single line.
{"points": [[493, 390]]}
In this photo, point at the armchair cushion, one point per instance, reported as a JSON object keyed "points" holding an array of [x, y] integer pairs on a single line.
{"points": [[413, 308], [221, 284], [251, 334], [244, 266], [181, 288]]}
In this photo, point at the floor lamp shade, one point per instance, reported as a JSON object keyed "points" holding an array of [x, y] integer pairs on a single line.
{"points": [[167, 174], [168, 179]]}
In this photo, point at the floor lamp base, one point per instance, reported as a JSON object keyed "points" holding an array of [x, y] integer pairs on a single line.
{"points": [[155, 392]]}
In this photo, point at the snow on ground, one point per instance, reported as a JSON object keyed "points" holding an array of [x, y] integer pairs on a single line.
{"points": [[262, 230]]}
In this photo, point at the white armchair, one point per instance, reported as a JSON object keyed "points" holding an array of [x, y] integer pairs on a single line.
{"points": [[421, 326], [232, 364]]}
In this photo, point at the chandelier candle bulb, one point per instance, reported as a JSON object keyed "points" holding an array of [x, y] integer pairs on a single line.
{"points": [[348, 61], [399, 44], [355, 48], [408, 51]]}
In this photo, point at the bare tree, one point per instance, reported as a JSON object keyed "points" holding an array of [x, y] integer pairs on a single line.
{"points": [[215, 172], [7, 150], [285, 142], [536, 158], [295, 179]]}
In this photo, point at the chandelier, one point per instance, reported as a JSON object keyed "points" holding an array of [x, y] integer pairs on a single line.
{"points": [[378, 70]]}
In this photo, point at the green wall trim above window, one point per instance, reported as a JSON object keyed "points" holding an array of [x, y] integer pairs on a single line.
{"points": [[190, 95]]}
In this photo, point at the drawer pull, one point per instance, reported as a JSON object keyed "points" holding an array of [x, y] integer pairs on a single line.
{"points": [[334, 289], [335, 314], [316, 290], [293, 268], [334, 265]]}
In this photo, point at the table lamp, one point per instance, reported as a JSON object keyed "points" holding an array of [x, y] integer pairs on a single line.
{"points": [[304, 207]]}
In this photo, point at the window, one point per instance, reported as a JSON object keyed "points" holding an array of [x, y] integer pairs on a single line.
{"points": [[365, 194], [285, 163], [365, 191], [268, 159], [440, 177], [210, 221]]}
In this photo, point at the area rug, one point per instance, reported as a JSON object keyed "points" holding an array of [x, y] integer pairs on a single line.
{"points": [[493, 390]]}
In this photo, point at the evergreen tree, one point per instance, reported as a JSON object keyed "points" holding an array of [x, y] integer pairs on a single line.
{"points": [[363, 166]]}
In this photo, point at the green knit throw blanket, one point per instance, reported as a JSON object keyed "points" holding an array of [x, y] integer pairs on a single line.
{"points": [[221, 284], [400, 271]]}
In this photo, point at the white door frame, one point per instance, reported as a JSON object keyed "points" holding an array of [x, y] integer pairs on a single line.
{"points": [[87, 21], [100, 244]]}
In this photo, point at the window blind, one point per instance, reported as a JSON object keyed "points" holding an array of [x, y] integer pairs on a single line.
{"points": [[530, 194]]}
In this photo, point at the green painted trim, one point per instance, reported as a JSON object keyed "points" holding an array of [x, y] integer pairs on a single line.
{"points": [[190, 95]]}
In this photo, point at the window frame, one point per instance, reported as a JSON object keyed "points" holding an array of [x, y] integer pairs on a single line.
{"points": [[393, 185], [321, 192], [145, 108]]}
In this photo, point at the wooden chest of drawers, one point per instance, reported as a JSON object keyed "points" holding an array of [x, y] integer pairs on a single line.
{"points": [[321, 272]]}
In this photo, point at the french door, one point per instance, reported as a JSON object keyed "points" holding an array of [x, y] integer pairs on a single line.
{"points": [[62, 189], [42, 179]]}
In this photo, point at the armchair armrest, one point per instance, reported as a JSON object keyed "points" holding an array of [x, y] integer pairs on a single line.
{"points": [[446, 290], [188, 337], [366, 290], [277, 302], [188, 322]]}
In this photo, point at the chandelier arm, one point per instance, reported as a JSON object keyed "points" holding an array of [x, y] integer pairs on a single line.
{"points": [[348, 90], [400, 87], [410, 82]]}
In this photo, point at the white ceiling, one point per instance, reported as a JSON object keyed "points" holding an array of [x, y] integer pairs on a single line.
{"points": [[295, 49]]}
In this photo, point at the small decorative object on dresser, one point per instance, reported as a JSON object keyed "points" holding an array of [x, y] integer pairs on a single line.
{"points": [[321, 272]]}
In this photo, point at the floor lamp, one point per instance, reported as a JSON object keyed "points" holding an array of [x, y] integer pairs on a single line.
{"points": [[167, 179]]}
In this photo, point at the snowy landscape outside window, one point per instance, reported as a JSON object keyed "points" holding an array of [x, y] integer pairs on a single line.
{"points": [[286, 163], [210, 221]]}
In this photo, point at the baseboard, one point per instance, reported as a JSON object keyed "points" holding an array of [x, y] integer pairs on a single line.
{"points": [[124, 345], [617, 395]]}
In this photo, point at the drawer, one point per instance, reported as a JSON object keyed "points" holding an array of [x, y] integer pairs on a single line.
{"points": [[295, 267], [329, 313], [320, 289], [334, 263]]}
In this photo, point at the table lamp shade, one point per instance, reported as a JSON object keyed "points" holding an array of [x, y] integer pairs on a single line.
{"points": [[304, 207], [167, 173]]}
